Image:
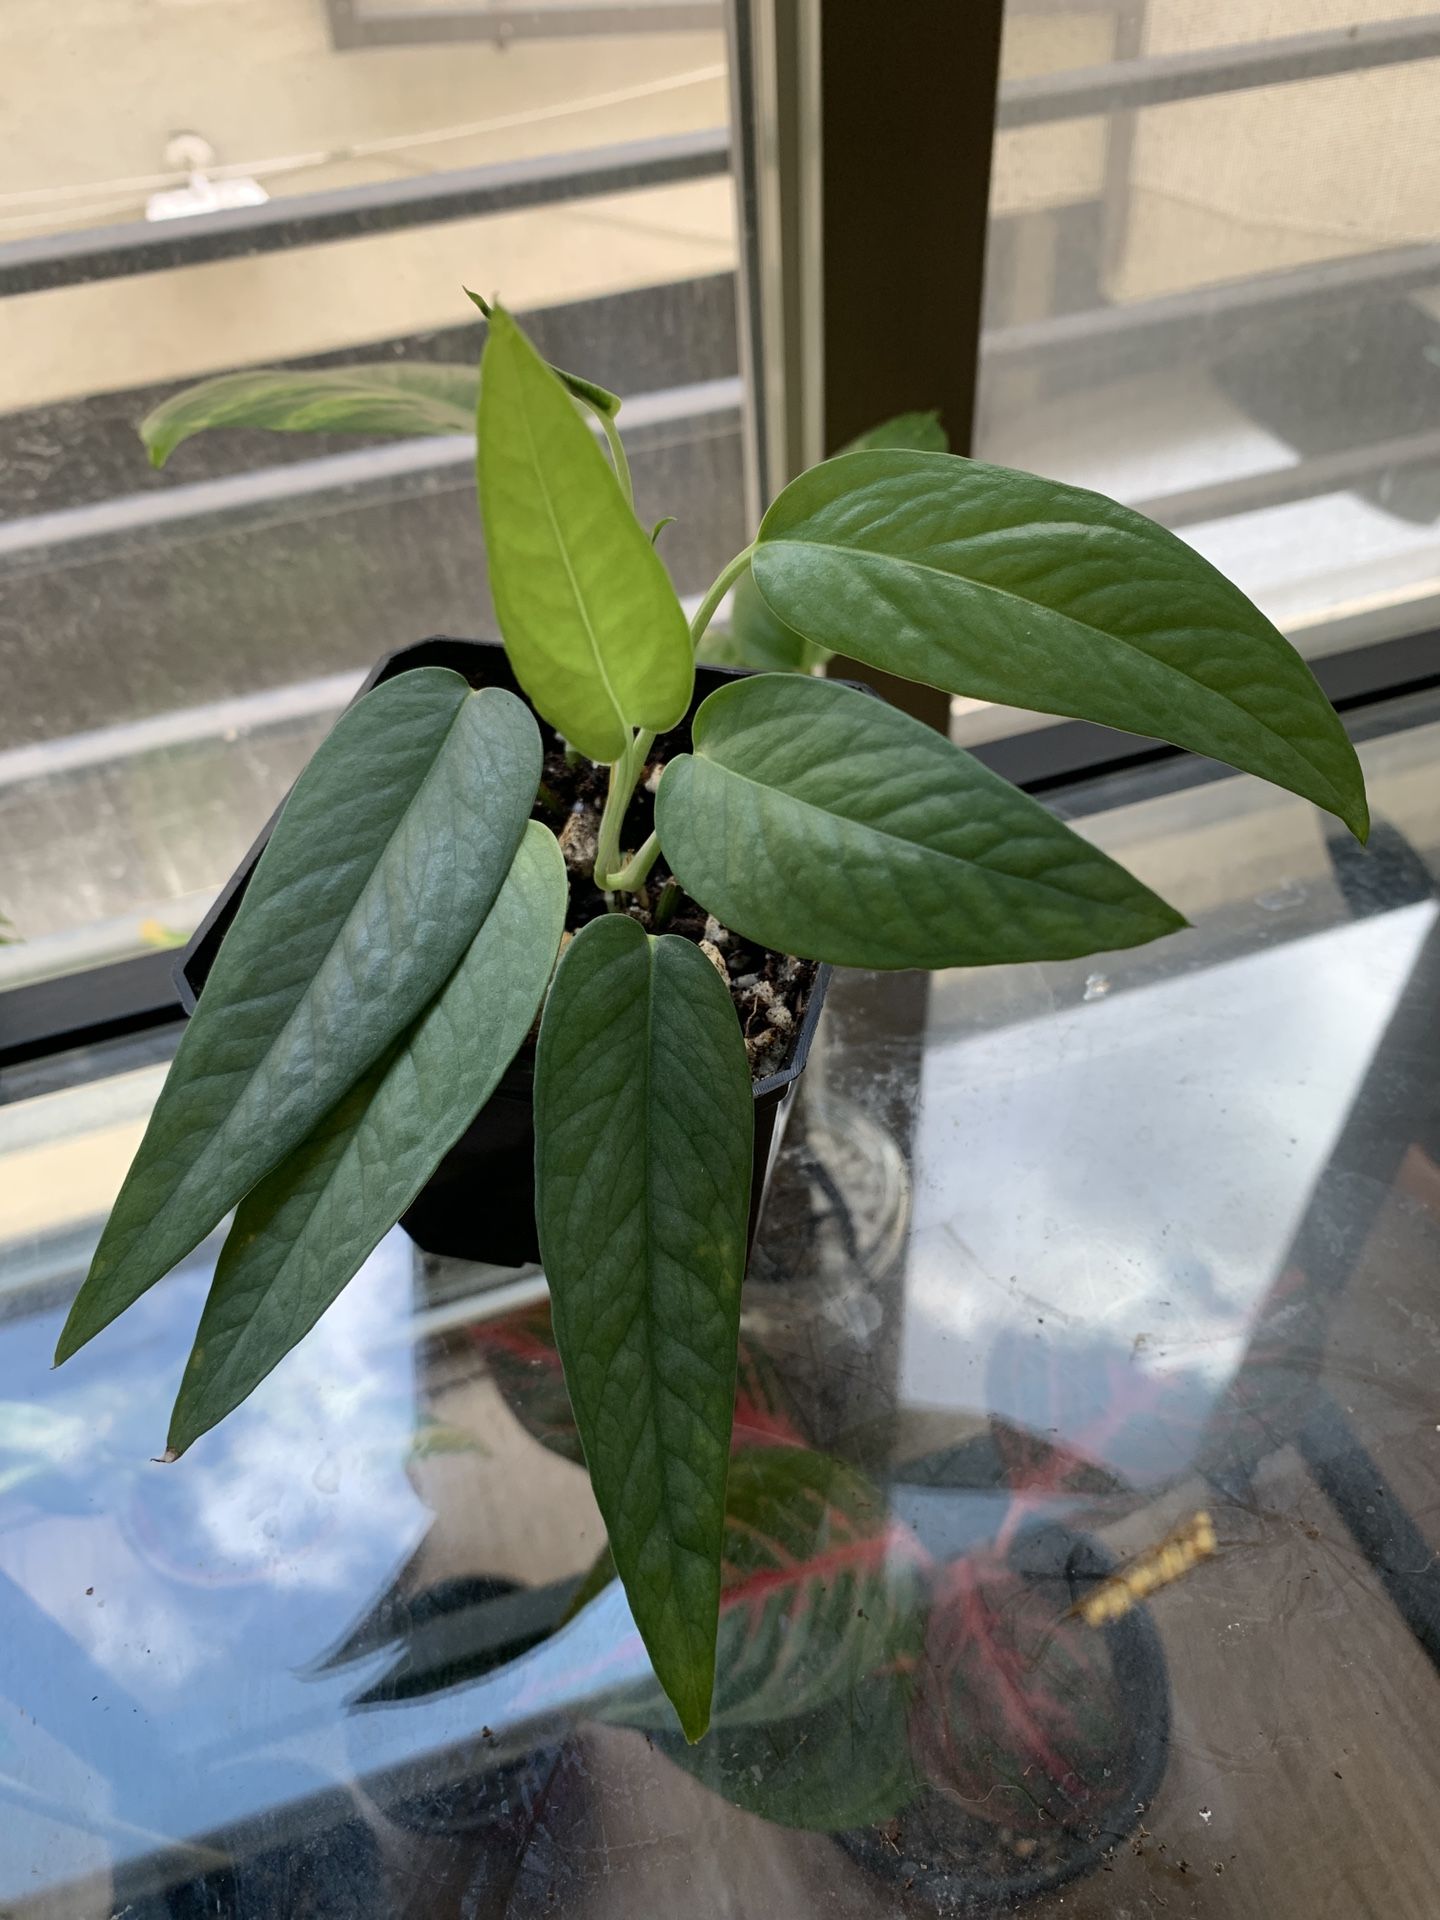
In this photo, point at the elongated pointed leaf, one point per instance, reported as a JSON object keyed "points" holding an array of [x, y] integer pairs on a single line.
{"points": [[1007, 587], [310, 1225], [383, 865], [821, 1628], [818, 821], [410, 397], [594, 631], [644, 1123], [759, 639], [819, 1588]]}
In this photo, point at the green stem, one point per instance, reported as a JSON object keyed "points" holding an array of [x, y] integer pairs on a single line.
{"points": [[617, 451], [665, 906], [625, 772], [637, 872], [706, 610], [617, 804]]}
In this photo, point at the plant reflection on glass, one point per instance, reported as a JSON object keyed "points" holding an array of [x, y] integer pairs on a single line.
{"points": [[862, 1677], [400, 932]]}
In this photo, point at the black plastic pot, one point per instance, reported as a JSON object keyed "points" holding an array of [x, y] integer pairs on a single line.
{"points": [[479, 1204]]}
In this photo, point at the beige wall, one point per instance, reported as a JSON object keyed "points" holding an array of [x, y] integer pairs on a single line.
{"points": [[1217, 188], [1278, 176], [105, 83], [1249, 182]]}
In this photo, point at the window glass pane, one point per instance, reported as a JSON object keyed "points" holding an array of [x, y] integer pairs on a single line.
{"points": [[174, 644], [1213, 289]]}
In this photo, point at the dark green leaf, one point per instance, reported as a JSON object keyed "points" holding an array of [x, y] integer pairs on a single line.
{"points": [[821, 1616], [643, 1137], [310, 1225], [1007, 587], [382, 867], [524, 1363], [819, 1588], [818, 821], [593, 1582], [409, 397], [598, 398], [757, 638], [594, 631]]}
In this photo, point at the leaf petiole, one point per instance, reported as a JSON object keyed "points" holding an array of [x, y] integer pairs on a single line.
{"points": [[624, 777], [625, 772], [709, 606], [637, 871], [616, 444], [618, 455]]}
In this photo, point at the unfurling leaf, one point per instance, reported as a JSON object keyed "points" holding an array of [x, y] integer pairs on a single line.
{"points": [[408, 397], [310, 1225], [818, 821], [1008, 587], [644, 1122], [590, 620], [599, 399], [381, 869]]}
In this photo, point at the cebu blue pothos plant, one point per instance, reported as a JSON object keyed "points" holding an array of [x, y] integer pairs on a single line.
{"points": [[401, 929]]}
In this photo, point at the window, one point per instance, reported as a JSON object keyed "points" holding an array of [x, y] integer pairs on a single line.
{"points": [[280, 181], [1213, 289], [1065, 1268]]}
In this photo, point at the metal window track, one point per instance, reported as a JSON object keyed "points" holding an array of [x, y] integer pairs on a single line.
{"points": [[354, 23], [1161, 79], [79, 258], [1161, 326]]}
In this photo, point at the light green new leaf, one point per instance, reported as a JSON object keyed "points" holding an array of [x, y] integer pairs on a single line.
{"points": [[409, 397], [818, 821], [757, 638], [1006, 587], [382, 867], [644, 1123], [591, 623], [311, 1224]]}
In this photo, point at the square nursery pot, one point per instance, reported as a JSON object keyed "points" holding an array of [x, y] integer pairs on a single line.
{"points": [[479, 1204]]}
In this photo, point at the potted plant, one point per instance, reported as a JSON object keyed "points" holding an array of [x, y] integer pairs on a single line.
{"points": [[401, 930]]}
